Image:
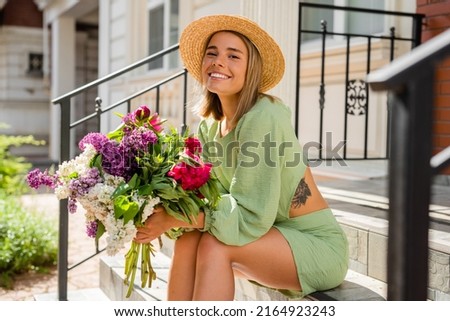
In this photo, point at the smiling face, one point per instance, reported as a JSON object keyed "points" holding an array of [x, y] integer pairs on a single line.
{"points": [[225, 64]]}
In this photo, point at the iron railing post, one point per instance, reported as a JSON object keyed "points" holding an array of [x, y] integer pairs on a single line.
{"points": [[185, 80], [410, 82], [323, 24], [409, 190], [98, 111], [63, 210]]}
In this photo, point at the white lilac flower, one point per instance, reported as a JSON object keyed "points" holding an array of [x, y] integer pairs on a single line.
{"points": [[62, 192], [79, 164], [112, 180], [148, 209], [118, 234], [135, 197]]}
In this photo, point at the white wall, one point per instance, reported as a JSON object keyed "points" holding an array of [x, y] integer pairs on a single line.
{"points": [[280, 20], [23, 97]]}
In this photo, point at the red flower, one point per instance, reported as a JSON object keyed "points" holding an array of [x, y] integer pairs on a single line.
{"points": [[193, 145], [191, 177], [142, 113]]}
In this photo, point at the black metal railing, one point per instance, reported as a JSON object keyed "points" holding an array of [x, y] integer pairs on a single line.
{"points": [[410, 81], [355, 99], [67, 127]]}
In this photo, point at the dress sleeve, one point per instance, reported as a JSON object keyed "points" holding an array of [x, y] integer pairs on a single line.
{"points": [[249, 210]]}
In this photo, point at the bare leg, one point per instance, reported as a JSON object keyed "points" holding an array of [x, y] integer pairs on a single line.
{"points": [[182, 272], [267, 260]]}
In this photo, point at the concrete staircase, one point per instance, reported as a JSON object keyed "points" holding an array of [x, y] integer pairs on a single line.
{"points": [[366, 279], [360, 207]]}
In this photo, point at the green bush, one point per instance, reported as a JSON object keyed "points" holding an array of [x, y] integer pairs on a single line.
{"points": [[27, 241], [13, 168]]}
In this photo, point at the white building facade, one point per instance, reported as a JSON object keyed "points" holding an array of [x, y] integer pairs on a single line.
{"points": [[82, 40]]}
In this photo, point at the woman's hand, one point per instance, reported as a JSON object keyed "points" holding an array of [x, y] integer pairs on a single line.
{"points": [[155, 225], [160, 222]]}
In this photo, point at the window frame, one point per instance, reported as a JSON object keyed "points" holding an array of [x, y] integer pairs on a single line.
{"points": [[168, 62], [340, 24]]}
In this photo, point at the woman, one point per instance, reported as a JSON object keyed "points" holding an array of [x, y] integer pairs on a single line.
{"points": [[272, 225]]}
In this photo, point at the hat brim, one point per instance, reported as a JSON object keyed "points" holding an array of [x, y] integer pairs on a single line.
{"points": [[196, 34]]}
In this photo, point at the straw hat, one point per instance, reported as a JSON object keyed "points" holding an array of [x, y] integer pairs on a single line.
{"points": [[197, 33]]}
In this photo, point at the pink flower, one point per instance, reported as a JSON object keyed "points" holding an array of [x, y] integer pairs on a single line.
{"points": [[156, 122], [193, 145], [191, 177]]}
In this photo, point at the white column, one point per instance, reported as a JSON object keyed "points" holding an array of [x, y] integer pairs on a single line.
{"points": [[104, 57], [63, 73], [280, 20]]}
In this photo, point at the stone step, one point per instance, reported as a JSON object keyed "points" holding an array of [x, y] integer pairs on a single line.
{"points": [[366, 278], [112, 279], [356, 286], [94, 294]]}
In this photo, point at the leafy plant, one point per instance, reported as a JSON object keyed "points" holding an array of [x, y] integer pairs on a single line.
{"points": [[13, 168], [28, 242]]}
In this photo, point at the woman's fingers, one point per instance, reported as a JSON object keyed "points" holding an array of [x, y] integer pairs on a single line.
{"points": [[154, 226]]}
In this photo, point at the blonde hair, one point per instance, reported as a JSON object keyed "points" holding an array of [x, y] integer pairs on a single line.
{"points": [[209, 104]]}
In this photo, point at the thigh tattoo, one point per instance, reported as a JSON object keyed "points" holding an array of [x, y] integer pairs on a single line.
{"points": [[301, 194]]}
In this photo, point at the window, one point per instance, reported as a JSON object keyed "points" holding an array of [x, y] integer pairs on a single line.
{"points": [[35, 63], [365, 23], [312, 17], [163, 24], [341, 21]]}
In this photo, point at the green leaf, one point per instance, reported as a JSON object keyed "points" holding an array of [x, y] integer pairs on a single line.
{"points": [[125, 187], [73, 175], [145, 190], [210, 191], [125, 208], [169, 194], [117, 133], [173, 210], [120, 190], [96, 161], [100, 230], [145, 173], [189, 206], [134, 181]]}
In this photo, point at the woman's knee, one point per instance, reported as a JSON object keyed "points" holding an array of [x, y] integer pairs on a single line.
{"points": [[188, 242], [210, 247]]}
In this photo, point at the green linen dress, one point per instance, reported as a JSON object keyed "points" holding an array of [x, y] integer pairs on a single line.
{"points": [[259, 165]]}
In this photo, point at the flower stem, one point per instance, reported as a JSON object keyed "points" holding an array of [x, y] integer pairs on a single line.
{"points": [[148, 274], [131, 259]]}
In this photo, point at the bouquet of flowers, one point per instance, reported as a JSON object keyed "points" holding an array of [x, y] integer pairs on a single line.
{"points": [[120, 177]]}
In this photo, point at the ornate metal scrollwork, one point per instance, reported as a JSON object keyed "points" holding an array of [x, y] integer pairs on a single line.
{"points": [[356, 97]]}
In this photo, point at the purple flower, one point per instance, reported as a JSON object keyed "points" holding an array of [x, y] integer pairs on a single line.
{"points": [[72, 205], [36, 179], [114, 161], [129, 119], [91, 228], [82, 185], [97, 140], [139, 139]]}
